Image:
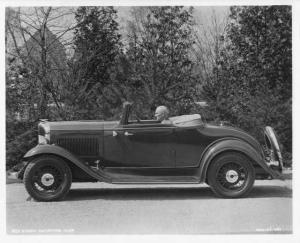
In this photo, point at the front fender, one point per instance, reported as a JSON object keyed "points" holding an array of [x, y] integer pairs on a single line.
{"points": [[61, 152], [232, 145]]}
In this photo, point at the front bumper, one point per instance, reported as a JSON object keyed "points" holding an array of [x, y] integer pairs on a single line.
{"points": [[18, 175], [13, 175]]}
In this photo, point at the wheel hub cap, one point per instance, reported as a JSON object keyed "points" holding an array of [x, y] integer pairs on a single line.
{"points": [[232, 176], [47, 179]]}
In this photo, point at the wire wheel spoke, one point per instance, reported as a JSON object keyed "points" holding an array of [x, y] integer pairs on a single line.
{"points": [[231, 176], [47, 179]]}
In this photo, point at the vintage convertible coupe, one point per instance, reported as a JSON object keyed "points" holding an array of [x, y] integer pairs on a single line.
{"points": [[146, 151]]}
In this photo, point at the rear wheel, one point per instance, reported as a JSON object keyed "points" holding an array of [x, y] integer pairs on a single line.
{"points": [[231, 175], [47, 178]]}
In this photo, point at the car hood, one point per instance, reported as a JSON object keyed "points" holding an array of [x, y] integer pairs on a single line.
{"points": [[82, 125]]}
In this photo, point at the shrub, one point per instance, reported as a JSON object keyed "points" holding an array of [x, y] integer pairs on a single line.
{"points": [[20, 137]]}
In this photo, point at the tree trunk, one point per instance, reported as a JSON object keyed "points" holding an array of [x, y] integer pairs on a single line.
{"points": [[43, 112]]}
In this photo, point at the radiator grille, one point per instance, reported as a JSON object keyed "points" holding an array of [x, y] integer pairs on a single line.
{"points": [[80, 145]]}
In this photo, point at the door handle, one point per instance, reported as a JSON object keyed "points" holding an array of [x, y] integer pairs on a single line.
{"points": [[128, 134]]}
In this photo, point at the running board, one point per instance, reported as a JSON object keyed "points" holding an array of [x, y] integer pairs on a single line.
{"points": [[155, 180], [151, 175]]}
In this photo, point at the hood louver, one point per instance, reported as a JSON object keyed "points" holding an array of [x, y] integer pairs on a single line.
{"points": [[88, 146]]}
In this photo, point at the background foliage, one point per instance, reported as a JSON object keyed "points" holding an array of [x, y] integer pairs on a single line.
{"points": [[161, 69], [242, 66], [252, 84]]}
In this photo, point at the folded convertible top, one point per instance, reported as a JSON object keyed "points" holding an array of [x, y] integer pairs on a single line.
{"points": [[187, 120]]}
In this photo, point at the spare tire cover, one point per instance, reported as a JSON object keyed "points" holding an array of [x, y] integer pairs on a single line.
{"points": [[271, 134]]}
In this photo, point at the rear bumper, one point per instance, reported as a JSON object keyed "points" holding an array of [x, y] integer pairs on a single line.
{"points": [[279, 175], [284, 175], [275, 169]]}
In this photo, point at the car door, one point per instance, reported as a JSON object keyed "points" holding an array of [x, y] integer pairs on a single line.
{"points": [[190, 143], [148, 145]]}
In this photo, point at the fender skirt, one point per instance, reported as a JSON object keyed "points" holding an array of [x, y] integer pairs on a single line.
{"points": [[61, 152], [233, 145]]}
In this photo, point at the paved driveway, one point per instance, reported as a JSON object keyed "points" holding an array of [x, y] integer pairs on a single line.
{"points": [[118, 209]]}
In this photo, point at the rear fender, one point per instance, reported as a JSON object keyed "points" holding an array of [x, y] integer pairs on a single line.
{"points": [[61, 152], [232, 145]]}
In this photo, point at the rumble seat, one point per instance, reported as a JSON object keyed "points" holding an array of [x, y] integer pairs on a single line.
{"points": [[186, 120]]}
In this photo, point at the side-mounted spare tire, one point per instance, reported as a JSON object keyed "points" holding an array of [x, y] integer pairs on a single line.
{"points": [[231, 175], [272, 143], [47, 178]]}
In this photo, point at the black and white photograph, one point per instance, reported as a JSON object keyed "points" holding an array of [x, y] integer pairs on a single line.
{"points": [[149, 119]]}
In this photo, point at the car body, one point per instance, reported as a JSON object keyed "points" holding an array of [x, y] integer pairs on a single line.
{"points": [[187, 150]]}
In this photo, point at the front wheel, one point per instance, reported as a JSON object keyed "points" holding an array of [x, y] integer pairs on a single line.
{"points": [[231, 175], [47, 178]]}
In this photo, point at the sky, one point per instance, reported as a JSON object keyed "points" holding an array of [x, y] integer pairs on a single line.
{"points": [[202, 15]]}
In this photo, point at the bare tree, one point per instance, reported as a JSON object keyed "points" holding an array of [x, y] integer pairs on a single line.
{"points": [[40, 39], [208, 45]]}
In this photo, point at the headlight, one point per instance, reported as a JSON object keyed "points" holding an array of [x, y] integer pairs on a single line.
{"points": [[42, 140], [43, 133]]}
